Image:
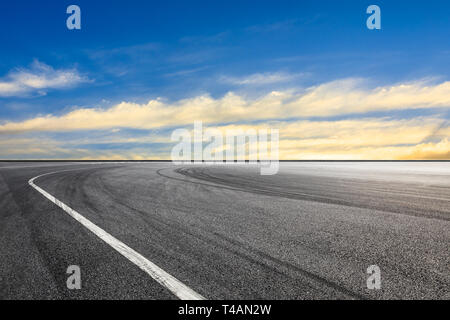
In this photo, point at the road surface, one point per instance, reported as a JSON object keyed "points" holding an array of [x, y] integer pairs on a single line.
{"points": [[226, 232]]}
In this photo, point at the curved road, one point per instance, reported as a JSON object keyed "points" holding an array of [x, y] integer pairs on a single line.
{"points": [[226, 232]]}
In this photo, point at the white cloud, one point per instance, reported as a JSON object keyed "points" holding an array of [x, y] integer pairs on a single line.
{"points": [[258, 79], [39, 78]]}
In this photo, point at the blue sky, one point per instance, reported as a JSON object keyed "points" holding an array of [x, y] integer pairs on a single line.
{"points": [[139, 51]]}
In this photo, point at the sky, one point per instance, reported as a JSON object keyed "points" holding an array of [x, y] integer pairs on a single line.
{"points": [[138, 70]]}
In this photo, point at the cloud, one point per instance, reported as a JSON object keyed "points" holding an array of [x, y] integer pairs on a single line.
{"points": [[194, 57], [352, 96], [25, 147], [429, 151], [337, 98], [212, 39], [360, 139], [47, 148], [276, 26], [356, 139], [260, 78], [185, 72], [135, 131], [132, 52], [38, 79]]}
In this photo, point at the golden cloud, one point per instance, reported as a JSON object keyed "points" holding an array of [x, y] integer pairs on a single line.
{"points": [[361, 139], [331, 99]]}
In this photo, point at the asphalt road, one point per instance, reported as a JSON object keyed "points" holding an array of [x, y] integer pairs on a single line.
{"points": [[226, 232]]}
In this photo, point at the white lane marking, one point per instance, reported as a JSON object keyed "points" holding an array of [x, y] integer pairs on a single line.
{"points": [[171, 283]]}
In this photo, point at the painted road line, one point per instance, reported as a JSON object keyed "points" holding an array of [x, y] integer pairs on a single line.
{"points": [[171, 283]]}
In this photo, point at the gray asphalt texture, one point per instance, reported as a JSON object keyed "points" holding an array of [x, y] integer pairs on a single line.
{"points": [[308, 232]]}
